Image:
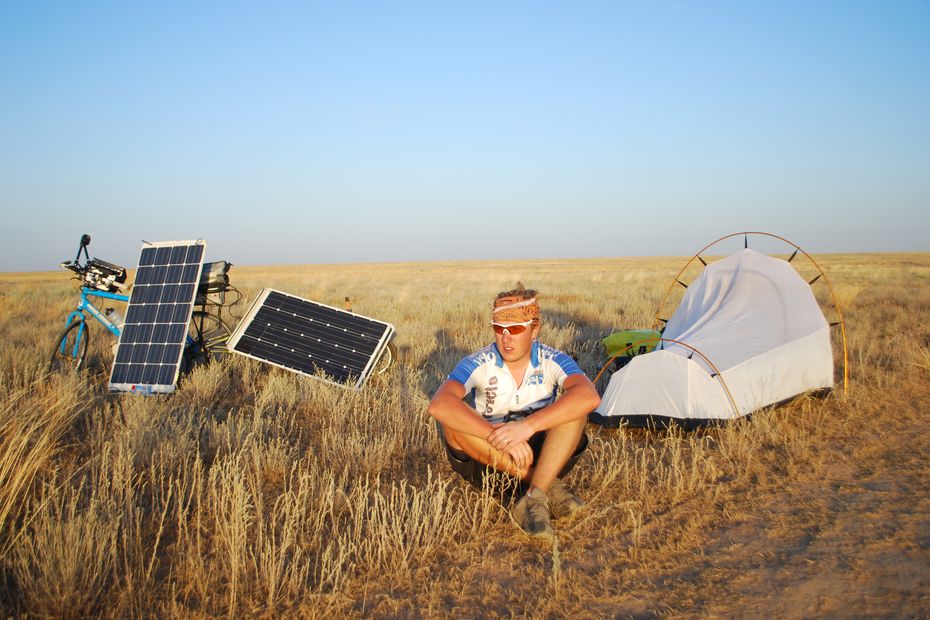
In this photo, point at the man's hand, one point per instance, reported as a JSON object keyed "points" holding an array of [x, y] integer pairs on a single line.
{"points": [[511, 433], [521, 454], [511, 438]]}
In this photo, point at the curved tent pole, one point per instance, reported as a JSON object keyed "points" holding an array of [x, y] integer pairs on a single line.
{"points": [[797, 248], [687, 346]]}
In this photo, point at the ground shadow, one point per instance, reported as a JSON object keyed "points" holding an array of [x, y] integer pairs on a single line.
{"points": [[439, 363]]}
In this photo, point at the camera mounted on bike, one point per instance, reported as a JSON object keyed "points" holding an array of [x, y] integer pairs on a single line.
{"points": [[85, 241]]}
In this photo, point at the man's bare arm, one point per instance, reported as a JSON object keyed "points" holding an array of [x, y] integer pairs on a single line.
{"points": [[578, 400], [452, 412]]}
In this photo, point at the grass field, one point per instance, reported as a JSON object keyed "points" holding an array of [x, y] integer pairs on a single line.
{"points": [[253, 491]]}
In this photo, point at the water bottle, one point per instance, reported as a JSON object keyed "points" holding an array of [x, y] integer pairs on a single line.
{"points": [[115, 317]]}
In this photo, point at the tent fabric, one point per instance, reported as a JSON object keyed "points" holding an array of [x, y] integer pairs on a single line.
{"points": [[756, 320]]}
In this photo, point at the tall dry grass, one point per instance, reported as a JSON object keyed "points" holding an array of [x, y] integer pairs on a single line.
{"points": [[253, 491]]}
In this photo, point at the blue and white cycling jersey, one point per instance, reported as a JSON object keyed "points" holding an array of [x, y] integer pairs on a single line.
{"points": [[495, 391]]}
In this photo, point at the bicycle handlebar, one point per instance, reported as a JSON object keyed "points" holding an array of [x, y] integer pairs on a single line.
{"points": [[95, 273], [72, 266]]}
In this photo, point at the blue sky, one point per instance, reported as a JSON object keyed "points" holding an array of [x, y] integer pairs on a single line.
{"points": [[398, 131]]}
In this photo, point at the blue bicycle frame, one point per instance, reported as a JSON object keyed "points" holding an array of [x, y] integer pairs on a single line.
{"points": [[86, 305]]}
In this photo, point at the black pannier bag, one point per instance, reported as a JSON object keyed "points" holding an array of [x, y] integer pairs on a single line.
{"points": [[214, 280], [104, 276]]}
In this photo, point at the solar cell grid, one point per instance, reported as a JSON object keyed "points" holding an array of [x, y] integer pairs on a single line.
{"points": [[311, 338], [152, 339]]}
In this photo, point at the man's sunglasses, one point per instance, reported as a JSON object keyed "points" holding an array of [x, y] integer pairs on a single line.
{"points": [[513, 329]]}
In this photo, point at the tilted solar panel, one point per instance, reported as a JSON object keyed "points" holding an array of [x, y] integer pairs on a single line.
{"points": [[152, 338], [311, 338]]}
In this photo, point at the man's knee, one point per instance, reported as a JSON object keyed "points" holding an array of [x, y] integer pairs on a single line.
{"points": [[461, 445], [450, 437], [568, 441], [572, 428]]}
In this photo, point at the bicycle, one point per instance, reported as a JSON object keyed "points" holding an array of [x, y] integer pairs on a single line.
{"points": [[100, 280]]}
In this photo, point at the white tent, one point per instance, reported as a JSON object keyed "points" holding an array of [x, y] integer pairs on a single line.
{"points": [[749, 317]]}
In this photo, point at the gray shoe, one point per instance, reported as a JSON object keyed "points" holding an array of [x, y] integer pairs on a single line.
{"points": [[532, 513], [562, 502]]}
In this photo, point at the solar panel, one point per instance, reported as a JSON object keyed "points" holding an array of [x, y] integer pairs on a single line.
{"points": [[311, 338], [152, 338]]}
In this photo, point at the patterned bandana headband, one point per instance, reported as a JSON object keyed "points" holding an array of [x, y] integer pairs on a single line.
{"points": [[515, 310]]}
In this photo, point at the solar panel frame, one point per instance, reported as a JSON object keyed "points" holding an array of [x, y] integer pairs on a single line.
{"points": [[151, 342], [264, 329]]}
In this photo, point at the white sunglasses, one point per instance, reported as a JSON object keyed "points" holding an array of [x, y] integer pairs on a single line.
{"points": [[511, 328]]}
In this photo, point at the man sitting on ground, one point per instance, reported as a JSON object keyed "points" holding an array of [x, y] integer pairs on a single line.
{"points": [[518, 427]]}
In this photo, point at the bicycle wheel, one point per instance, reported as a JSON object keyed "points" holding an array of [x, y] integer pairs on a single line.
{"points": [[207, 336], [70, 348]]}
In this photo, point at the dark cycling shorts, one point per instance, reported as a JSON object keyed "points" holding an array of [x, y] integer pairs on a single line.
{"points": [[474, 471]]}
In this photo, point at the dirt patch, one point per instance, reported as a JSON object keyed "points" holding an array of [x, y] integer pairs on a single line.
{"points": [[852, 540]]}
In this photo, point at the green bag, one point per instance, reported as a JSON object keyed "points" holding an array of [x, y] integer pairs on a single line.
{"points": [[631, 342]]}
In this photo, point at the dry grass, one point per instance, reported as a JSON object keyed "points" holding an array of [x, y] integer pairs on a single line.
{"points": [[251, 491]]}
